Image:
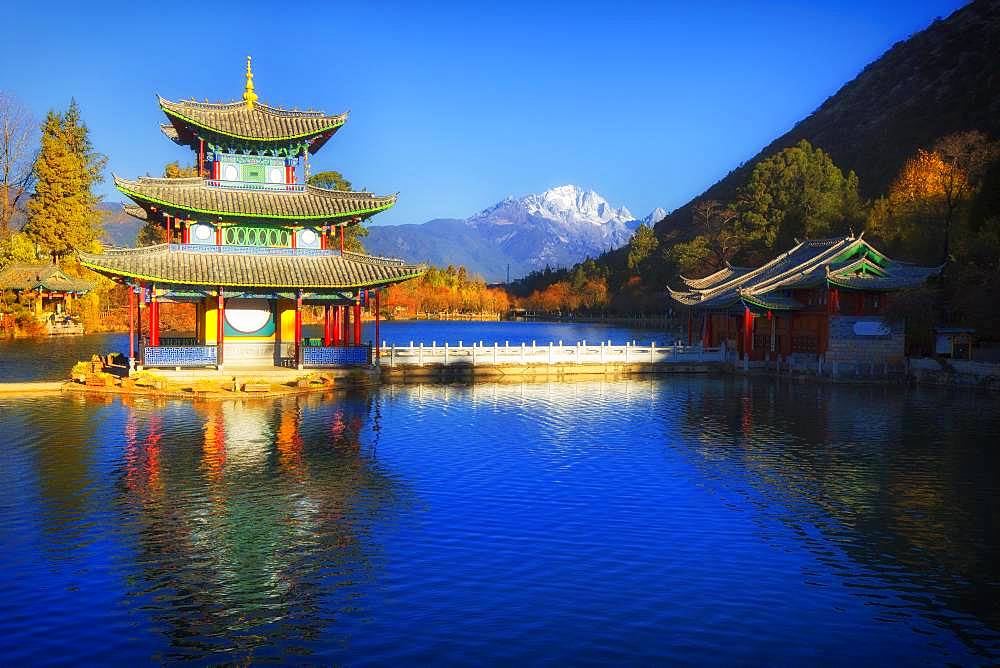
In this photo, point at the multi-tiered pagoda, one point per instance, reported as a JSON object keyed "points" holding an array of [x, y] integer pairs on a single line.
{"points": [[249, 242]]}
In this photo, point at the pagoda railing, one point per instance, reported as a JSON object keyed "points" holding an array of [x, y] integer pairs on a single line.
{"points": [[179, 356], [246, 185], [253, 250], [315, 356]]}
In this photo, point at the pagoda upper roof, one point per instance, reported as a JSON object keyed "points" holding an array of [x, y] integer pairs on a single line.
{"points": [[41, 277], [243, 267], [302, 203], [251, 123], [847, 262]]}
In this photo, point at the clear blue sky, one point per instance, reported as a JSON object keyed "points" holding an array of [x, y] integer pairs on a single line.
{"points": [[457, 105]]}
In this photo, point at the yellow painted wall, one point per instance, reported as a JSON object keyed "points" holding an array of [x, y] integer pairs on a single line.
{"points": [[211, 321], [286, 319]]}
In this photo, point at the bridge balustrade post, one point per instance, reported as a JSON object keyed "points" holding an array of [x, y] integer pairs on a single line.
{"points": [[626, 351], [522, 353], [420, 354], [446, 353], [652, 352], [495, 353], [550, 353]]}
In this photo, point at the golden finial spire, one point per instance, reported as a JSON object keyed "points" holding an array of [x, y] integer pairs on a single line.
{"points": [[248, 95]]}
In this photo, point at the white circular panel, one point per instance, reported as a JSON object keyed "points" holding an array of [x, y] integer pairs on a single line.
{"points": [[230, 173], [308, 237], [275, 175], [247, 315], [202, 232]]}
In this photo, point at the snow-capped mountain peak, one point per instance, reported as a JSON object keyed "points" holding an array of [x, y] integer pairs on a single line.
{"points": [[573, 204]]}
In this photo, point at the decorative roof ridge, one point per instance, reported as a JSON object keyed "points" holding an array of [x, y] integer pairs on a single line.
{"points": [[137, 250], [749, 275], [345, 194], [241, 105], [807, 265], [377, 259]]}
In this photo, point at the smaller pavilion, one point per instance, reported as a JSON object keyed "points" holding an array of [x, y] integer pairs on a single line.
{"points": [[823, 300], [52, 292]]}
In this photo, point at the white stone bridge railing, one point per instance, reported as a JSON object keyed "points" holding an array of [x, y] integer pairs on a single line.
{"points": [[480, 354]]}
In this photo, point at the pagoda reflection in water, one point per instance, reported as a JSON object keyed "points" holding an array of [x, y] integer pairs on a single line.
{"points": [[244, 535]]}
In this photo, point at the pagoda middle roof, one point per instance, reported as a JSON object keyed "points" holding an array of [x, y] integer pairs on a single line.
{"points": [[846, 262], [256, 123], [303, 203], [245, 267]]}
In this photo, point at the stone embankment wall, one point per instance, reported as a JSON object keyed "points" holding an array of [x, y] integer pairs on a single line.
{"points": [[938, 371], [852, 341]]}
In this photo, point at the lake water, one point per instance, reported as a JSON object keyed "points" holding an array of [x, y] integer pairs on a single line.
{"points": [[677, 520], [52, 358]]}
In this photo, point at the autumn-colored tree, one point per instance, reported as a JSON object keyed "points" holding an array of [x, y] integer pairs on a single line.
{"points": [[174, 170], [448, 290], [922, 207], [62, 213]]}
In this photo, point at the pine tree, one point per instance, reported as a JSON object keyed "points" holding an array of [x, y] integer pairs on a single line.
{"points": [[62, 213]]}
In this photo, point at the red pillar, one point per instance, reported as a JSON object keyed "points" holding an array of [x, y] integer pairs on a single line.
{"points": [[336, 327], [218, 235], [357, 320], [220, 329], [170, 229], [346, 323], [298, 329], [215, 168], [326, 325], [342, 238], [186, 235], [201, 157], [154, 318], [131, 323], [378, 341], [295, 234], [322, 238], [747, 331]]}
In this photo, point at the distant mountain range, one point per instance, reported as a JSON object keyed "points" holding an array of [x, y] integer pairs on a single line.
{"points": [[556, 228]]}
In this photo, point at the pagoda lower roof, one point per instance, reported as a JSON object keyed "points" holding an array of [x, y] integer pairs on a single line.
{"points": [[238, 266], [847, 262], [302, 203], [257, 123]]}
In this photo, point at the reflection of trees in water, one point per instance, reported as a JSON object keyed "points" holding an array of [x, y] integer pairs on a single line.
{"points": [[252, 517], [900, 479]]}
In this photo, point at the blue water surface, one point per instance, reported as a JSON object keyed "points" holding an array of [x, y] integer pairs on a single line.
{"points": [[680, 520]]}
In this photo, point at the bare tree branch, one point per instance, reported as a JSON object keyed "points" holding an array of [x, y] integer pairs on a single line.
{"points": [[17, 133]]}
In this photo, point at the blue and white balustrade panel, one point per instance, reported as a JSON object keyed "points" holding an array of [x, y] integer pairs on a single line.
{"points": [[336, 356], [179, 356]]}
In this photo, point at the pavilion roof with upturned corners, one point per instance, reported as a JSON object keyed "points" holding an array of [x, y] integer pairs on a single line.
{"points": [[848, 262], [205, 202], [228, 266], [48, 277], [248, 123]]}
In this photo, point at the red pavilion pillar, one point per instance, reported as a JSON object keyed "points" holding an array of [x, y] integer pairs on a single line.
{"points": [[219, 330], [326, 325], [154, 318], [378, 341], [298, 329], [357, 320], [335, 326], [747, 331], [201, 157], [342, 238], [131, 325], [346, 325]]}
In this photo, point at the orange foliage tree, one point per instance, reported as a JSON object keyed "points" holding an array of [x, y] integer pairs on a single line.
{"points": [[445, 291]]}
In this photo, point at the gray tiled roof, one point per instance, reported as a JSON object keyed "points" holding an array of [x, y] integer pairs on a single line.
{"points": [[842, 262], [308, 204], [245, 267], [260, 122], [41, 277]]}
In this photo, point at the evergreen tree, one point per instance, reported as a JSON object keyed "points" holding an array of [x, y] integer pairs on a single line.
{"points": [[332, 180], [798, 193], [62, 213]]}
